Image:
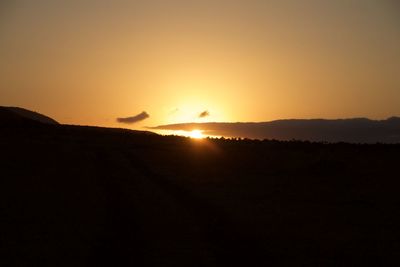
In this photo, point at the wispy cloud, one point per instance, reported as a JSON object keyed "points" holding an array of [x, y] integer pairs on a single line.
{"points": [[134, 119], [204, 114]]}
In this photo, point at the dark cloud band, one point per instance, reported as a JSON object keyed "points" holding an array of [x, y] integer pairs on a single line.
{"points": [[134, 119], [357, 130]]}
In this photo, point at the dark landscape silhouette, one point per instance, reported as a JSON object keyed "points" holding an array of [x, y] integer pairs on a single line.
{"points": [[91, 196]]}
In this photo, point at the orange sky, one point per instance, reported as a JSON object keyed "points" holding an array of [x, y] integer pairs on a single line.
{"points": [[91, 61]]}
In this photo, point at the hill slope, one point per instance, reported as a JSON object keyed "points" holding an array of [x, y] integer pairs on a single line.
{"points": [[84, 196], [15, 114]]}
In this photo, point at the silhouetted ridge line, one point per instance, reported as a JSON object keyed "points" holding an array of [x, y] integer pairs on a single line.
{"points": [[10, 114]]}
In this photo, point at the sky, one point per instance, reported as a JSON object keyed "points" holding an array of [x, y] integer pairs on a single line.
{"points": [[153, 62]]}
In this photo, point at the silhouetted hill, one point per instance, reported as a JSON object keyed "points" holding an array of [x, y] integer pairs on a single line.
{"points": [[16, 114], [359, 130], [89, 196]]}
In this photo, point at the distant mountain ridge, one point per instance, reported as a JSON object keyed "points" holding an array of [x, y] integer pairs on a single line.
{"points": [[17, 114], [356, 130]]}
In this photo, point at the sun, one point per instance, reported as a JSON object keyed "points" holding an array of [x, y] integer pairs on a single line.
{"points": [[196, 134]]}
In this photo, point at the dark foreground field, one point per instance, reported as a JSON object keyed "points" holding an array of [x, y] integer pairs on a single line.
{"points": [[80, 196]]}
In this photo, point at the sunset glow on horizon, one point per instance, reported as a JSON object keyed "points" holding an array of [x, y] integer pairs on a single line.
{"points": [[156, 62], [196, 134]]}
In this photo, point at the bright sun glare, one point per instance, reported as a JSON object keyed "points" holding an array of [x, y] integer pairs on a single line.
{"points": [[197, 134]]}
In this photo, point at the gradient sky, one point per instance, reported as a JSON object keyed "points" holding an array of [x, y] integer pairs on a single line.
{"points": [[91, 61]]}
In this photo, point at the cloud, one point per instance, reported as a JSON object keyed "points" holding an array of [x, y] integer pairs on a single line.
{"points": [[357, 130], [204, 114], [134, 119]]}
